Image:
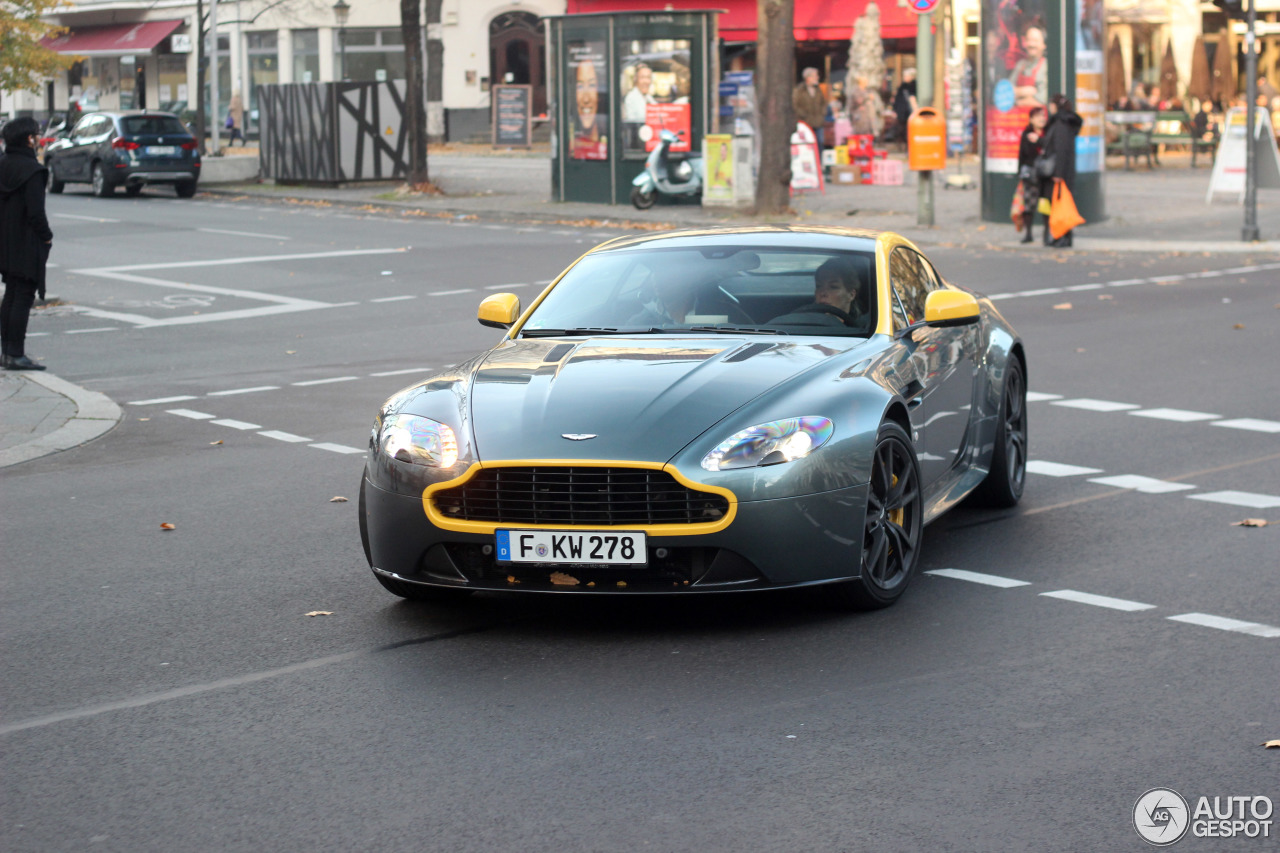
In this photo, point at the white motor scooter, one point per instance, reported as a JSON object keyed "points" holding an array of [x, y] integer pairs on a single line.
{"points": [[660, 175]]}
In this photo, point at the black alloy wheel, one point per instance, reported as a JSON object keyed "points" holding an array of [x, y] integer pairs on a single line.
{"points": [[1008, 475], [893, 528], [101, 186], [185, 189]]}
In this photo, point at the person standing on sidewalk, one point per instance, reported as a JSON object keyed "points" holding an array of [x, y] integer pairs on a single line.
{"points": [[810, 105], [25, 238], [1030, 147], [1060, 147]]}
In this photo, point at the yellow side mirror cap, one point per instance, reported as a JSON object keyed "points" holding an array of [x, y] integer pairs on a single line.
{"points": [[499, 310], [950, 308]]}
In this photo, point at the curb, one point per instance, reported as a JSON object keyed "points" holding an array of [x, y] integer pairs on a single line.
{"points": [[95, 416], [919, 236]]}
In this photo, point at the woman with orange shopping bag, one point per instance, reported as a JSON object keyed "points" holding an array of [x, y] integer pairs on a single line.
{"points": [[1059, 161]]}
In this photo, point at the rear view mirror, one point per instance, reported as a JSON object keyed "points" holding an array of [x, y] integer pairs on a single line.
{"points": [[499, 310], [944, 308]]}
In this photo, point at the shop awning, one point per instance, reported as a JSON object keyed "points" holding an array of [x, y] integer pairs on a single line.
{"points": [[816, 20], [113, 40]]}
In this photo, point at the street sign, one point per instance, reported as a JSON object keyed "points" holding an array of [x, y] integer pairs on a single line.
{"points": [[922, 7]]}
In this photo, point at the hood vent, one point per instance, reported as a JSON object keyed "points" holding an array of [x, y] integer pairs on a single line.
{"points": [[558, 352], [747, 352]]}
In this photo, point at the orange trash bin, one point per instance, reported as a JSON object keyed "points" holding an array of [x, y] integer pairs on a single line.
{"points": [[926, 141]]}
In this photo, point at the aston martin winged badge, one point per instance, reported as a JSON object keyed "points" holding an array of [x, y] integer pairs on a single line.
{"points": [[577, 436]]}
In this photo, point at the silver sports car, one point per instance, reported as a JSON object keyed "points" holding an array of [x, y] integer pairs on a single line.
{"points": [[703, 411]]}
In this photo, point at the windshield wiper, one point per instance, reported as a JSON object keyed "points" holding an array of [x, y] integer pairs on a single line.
{"points": [[589, 330], [731, 330]]}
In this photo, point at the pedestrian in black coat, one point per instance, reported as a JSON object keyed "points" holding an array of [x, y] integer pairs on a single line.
{"points": [[1060, 144], [25, 238]]}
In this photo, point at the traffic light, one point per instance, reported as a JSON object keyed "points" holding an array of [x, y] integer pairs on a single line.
{"points": [[1231, 8]]}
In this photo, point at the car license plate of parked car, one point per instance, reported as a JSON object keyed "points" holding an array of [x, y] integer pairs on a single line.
{"points": [[162, 150], [572, 547]]}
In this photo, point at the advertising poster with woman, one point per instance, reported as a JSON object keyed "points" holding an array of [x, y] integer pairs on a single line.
{"points": [[1015, 77], [656, 81], [591, 104]]}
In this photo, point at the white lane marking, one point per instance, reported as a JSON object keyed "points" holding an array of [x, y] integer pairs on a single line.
{"points": [[1095, 405], [98, 329], [1126, 282], [1224, 624], [393, 298], [1179, 415], [1146, 485], [504, 286], [1075, 287], [1058, 469], [38, 334], [336, 448], [1249, 499], [1037, 396], [401, 372], [283, 436], [1098, 600], [324, 381], [452, 292], [1044, 291], [978, 577], [1129, 282], [158, 400], [188, 413], [243, 234], [235, 424], [83, 218], [231, 391], [1253, 424], [253, 259]]}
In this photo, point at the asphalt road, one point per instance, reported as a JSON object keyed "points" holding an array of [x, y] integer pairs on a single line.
{"points": [[166, 691]]}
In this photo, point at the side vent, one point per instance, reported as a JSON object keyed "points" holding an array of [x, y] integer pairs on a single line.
{"points": [[747, 352]]}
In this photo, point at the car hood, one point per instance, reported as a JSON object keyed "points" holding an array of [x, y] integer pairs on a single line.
{"points": [[641, 398]]}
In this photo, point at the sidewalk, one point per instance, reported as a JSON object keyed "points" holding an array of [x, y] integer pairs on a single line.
{"points": [[42, 414], [1148, 210]]}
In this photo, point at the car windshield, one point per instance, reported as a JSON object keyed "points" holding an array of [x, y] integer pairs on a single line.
{"points": [[714, 289], [153, 125]]}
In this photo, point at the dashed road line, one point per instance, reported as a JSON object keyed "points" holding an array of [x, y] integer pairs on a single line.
{"points": [[453, 292], [283, 436], [401, 372], [233, 391], [243, 234], [1253, 424], [1233, 498], [1130, 282], [1098, 600], [336, 448], [235, 424], [1058, 469], [1179, 415], [1091, 405], [1038, 396], [504, 286], [88, 331], [188, 413], [393, 298], [324, 381], [1146, 485], [1224, 624], [978, 577], [159, 400]]}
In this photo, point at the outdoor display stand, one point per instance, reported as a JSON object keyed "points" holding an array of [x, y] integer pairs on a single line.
{"points": [[512, 127], [1229, 164], [617, 79]]}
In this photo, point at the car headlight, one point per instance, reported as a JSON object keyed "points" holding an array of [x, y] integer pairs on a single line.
{"points": [[418, 441], [770, 443]]}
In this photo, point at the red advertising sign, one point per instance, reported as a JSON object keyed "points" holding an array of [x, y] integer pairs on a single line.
{"points": [[676, 118]]}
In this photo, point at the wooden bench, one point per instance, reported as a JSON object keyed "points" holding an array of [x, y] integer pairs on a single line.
{"points": [[1173, 127], [1134, 139]]}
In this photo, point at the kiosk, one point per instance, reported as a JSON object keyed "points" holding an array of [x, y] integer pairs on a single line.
{"points": [[616, 79]]}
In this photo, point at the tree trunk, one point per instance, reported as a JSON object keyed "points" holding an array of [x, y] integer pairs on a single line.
{"points": [[414, 112], [775, 77], [435, 72]]}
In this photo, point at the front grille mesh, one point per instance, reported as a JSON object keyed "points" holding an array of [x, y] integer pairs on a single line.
{"points": [[570, 495]]}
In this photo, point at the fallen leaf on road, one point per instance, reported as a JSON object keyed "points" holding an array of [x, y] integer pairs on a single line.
{"points": [[337, 499], [1062, 306], [1272, 744], [167, 526], [982, 228], [1105, 296], [561, 579], [1079, 349], [320, 613], [1238, 326], [1250, 522], [290, 351], [144, 419], [219, 441]]}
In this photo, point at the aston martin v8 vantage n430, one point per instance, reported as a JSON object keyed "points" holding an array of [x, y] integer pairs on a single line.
{"points": [[712, 410]]}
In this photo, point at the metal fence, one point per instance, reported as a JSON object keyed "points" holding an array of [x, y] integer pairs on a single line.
{"points": [[333, 132]]}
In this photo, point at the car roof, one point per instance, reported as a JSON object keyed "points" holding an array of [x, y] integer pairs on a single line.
{"points": [[128, 113], [761, 236]]}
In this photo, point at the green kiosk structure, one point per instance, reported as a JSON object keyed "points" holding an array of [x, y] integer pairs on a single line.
{"points": [[616, 79]]}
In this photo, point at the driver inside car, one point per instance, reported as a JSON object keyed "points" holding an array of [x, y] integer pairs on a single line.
{"points": [[836, 285]]}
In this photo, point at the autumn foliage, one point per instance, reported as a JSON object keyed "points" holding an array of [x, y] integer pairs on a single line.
{"points": [[24, 61]]}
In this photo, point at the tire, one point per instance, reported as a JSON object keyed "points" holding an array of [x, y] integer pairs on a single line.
{"points": [[133, 190], [55, 186], [185, 189], [102, 187], [643, 200], [893, 528], [428, 594], [1008, 475]]}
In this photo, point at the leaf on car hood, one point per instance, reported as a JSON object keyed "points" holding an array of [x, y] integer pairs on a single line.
{"points": [[561, 579]]}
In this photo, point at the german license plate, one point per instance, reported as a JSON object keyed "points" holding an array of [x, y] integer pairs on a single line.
{"points": [[161, 150], [572, 547]]}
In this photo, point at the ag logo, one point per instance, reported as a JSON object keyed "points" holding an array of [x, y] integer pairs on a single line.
{"points": [[1161, 816]]}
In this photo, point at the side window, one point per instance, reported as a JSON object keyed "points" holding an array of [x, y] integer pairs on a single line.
{"points": [[910, 285], [83, 126]]}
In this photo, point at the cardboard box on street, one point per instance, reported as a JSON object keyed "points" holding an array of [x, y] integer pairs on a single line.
{"points": [[845, 175]]}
